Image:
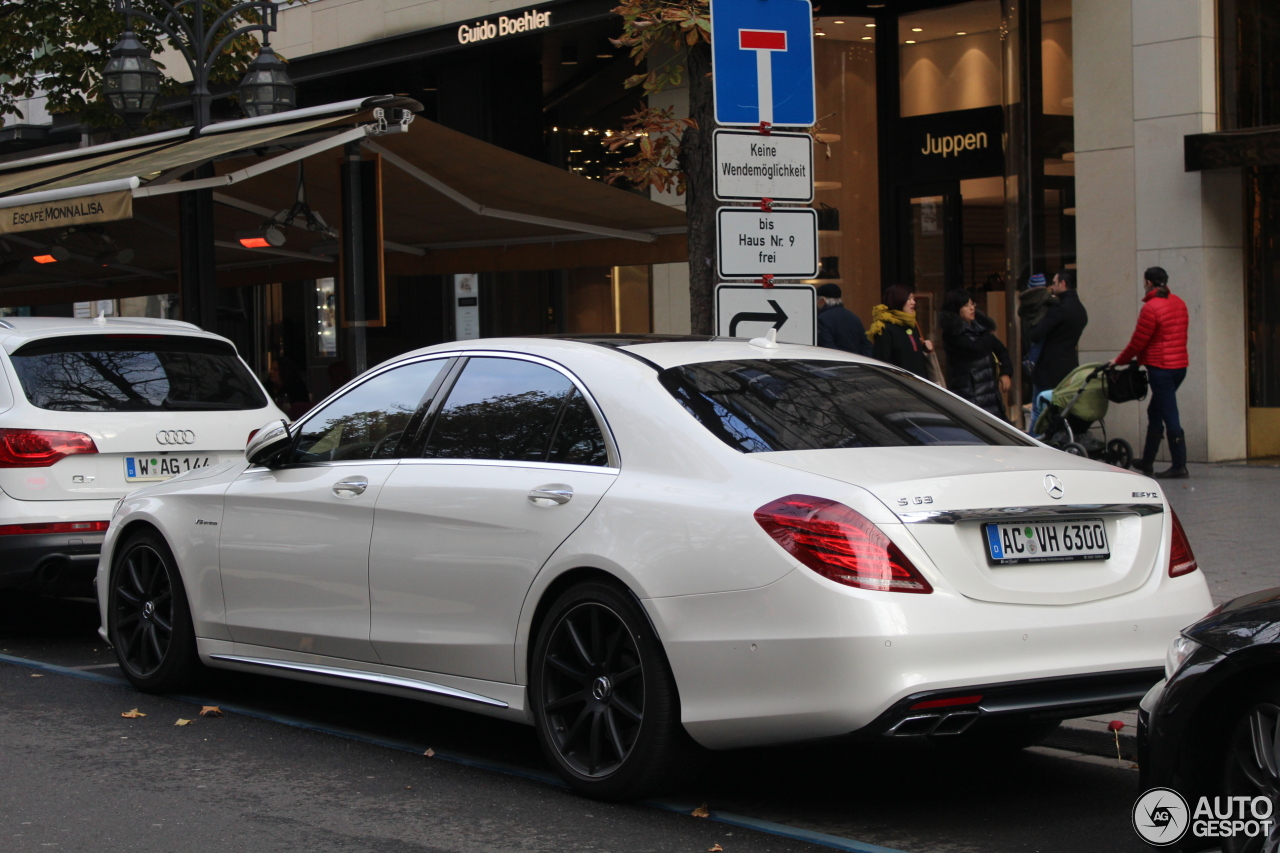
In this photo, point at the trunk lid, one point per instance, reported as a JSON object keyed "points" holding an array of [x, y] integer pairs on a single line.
{"points": [[945, 495], [201, 438]]}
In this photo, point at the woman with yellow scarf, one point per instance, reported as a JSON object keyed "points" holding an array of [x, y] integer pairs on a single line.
{"points": [[893, 333]]}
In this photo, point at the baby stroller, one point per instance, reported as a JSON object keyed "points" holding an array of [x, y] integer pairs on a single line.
{"points": [[1078, 407]]}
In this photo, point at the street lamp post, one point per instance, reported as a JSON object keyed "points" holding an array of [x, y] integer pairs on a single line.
{"points": [[131, 82]]}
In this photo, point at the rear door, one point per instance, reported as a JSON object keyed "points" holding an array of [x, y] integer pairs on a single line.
{"points": [[514, 461], [294, 546]]}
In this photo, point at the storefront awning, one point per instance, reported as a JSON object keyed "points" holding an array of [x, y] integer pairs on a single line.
{"points": [[1254, 146], [451, 203]]}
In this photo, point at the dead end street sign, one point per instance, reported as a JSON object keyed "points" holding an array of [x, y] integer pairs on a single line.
{"points": [[749, 311]]}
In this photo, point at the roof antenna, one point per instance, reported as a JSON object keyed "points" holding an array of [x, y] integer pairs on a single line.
{"points": [[101, 319], [769, 341]]}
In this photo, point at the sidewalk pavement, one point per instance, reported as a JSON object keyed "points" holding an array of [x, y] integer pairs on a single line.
{"points": [[1231, 514]]}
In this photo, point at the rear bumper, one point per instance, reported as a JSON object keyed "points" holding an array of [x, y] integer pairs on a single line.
{"points": [[931, 713], [58, 562], [804, 658]]}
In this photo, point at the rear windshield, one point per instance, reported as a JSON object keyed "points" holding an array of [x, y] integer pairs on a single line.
{"points": [[758, 406], [135, 373]]}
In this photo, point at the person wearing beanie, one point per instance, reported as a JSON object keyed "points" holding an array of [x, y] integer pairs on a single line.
{"points": [[1033, 306], [1159, 343], [1060, 331], [838, 327]]}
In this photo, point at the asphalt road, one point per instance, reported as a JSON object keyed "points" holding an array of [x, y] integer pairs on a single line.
{"points": [[299, 767]]}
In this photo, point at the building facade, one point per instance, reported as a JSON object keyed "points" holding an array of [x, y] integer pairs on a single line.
{"points": [[968, 144]]}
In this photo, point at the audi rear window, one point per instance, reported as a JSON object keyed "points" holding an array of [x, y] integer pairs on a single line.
{"points": [[135, 373], [762, 405]]}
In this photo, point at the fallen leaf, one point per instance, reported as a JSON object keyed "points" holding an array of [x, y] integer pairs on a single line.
{"points": [[701, 811], [210, 711], [715, 848], [37, 675], [430, 752], [133, 715], [182, 722]]}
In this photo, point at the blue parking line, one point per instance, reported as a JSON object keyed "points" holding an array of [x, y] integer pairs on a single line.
{"points": [[768, 827]]}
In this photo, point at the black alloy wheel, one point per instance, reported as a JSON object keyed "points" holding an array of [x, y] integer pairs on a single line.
{"points": [[149, 619], [603, 697], [593, 689], [1253, 770]]}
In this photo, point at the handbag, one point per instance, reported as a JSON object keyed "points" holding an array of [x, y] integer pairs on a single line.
{"points": [[934, 369], [1126, 384]]}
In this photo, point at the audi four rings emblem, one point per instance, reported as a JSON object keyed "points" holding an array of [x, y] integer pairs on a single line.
{"points": [[175, 436], [1053, 486]]}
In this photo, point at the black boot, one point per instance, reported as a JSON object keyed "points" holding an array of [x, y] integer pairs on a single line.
{"points": [[1147, 464], [1177, 450]]}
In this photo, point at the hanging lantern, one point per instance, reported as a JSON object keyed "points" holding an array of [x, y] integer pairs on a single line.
{"points": [[131, 81], [266, 88]]}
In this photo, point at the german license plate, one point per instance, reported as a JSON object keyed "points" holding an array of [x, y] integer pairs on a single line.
{"points": [[1047, 541], [162, 466]]}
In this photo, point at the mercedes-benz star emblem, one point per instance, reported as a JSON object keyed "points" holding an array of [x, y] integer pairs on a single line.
{"points": [[175, 436], [1053, 486]]}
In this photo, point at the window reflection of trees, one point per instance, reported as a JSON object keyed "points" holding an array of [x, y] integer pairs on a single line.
{"points": [[578, 439], [758, 406], [504, 426], [373, 434], [135, 381]]}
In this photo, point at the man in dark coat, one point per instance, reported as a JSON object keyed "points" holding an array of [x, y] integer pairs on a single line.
{"points": [[1060, 330], [838, 327]]}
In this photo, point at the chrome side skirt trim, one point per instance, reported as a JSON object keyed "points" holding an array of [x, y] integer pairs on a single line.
{"points": [[1019, 512], [370, 677]]}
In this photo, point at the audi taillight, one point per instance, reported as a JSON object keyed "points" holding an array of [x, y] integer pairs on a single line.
{"points": [[1181, 560], [40, 448], [840, 544], [53, 527]]}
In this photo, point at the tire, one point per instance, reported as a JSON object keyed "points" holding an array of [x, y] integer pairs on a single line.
{"points": [[1075, 449], [1120, 453], [1250, 767], [149, 618], [604, 701]]}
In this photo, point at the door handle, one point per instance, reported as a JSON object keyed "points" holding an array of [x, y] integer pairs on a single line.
{"points": [[550, 495], [351, 487]]}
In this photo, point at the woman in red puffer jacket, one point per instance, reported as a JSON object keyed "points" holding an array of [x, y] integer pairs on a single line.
{"points": [[1160, 344]]}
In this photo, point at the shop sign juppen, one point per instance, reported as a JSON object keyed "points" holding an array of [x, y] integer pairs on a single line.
{"points": [[86, 210], [503, 26]]}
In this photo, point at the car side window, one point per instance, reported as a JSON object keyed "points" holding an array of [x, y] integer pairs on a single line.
{"points": [[367, 421], [500, 408], [578, 440]]}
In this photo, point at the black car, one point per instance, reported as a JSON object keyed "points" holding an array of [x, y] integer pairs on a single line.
{"points": [[1211, 728]]}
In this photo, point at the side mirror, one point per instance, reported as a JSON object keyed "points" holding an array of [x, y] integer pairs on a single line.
{"points": [[267, 442]]}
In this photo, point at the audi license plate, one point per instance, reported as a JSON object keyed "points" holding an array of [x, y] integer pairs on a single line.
{"points": [[1047, 541], [162, 466]]}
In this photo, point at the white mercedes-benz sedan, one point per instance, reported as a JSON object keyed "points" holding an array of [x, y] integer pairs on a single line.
{"points": [[640, 545]]}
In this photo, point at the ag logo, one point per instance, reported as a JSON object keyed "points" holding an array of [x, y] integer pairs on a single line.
{"points": [[1160, 817]]}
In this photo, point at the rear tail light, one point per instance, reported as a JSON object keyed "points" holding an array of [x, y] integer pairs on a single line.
{"points": [[839, 544], [53, 527], [39, 448], [1181, 560]]}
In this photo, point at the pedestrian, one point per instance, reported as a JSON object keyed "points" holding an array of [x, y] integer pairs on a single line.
{"points": [[1160, 344], [1033, 306], [838, 327], [1059, 332], [978, 367], [894, 335]]}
